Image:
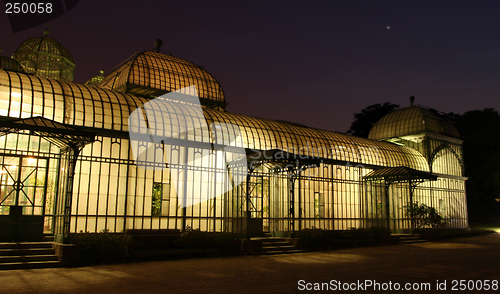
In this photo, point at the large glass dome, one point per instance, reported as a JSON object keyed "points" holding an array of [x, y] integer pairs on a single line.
{"points": [[412, 120], [46, 57], [151, 74]]}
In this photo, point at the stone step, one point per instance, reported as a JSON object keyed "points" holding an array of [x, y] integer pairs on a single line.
{"points": [[274, 252], [410, 239], [48, 238], [29, 265], [272, 240], [272, 245], [413, 241], [288, 246], [20, 245], [27, 255], [27, 258], [279, 243], [27, 251]]}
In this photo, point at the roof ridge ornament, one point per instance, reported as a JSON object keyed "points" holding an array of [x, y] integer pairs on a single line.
{"points": [[158, 44], [412, 99]]}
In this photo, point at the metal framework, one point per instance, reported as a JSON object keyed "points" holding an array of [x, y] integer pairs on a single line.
{"points": [[10, 64], [326, 189], [151, 74], [45, 57], [278, 161], [70, 141], [393, 175], [411, 121]]}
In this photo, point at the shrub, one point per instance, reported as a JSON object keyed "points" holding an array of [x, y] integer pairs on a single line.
{"points": [[196, 239], [312, 238], [103, 247], [423, 216]]}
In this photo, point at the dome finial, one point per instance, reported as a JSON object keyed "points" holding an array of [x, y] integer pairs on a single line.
{"points": [[46, 32], [412, 99], [158, 43], [102, 72], [1, 50]]}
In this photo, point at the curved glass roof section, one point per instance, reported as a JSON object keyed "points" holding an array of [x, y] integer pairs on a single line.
{"points": [[7, 63], [152, 74], [47, 58], [412, 120], [24, 96], [264, 134]]}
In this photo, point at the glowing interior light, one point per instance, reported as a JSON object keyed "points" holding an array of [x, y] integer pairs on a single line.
{"points": [[31, 160], [16, 94]]}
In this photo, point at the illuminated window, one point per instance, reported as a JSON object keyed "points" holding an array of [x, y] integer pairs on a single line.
{"points": [[160, 198], [319, 205]]}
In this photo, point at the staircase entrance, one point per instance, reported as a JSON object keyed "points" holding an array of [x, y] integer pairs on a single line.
{"points": [[27, 255], [23, 191], [273, 204]]}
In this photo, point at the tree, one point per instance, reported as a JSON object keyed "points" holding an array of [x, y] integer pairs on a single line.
{"points": [[364, 120], [481, 132]]}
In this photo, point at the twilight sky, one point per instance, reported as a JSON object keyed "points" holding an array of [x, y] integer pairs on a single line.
{"points": [[312, 62]]}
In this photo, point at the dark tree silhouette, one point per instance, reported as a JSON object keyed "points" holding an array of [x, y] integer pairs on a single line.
{"points": [[364, 120], [481, 132]]}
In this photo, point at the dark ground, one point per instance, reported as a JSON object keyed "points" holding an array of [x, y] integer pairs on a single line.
{"points": [[476, 259]]}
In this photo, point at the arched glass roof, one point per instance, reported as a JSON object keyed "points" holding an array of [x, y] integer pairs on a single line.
{"points": [[24, 96], [7, 63], [412, 120], [152, 74], [264, 134], [46, 57]]}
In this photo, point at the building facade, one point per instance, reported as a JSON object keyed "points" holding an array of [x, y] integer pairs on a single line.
{"points": [[67, 159]]}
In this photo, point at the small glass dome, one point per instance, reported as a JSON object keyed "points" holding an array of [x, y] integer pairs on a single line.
{"points": [[412, 120], [46, 57], [95, 80]]}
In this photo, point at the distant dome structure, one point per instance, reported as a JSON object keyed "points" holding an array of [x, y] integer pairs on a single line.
{"points": [[95, 80], [152, 73], [46, 57], [410, 121], [7, 63]]}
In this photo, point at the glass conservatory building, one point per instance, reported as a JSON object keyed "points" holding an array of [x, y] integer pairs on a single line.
{"points": [[68, 163]]}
